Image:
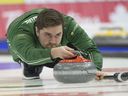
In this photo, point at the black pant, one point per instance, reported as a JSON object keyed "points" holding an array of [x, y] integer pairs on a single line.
{"points": [[35, 70]]}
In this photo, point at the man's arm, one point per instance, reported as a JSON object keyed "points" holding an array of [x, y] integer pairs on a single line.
{"points": [[23, 46], [78, 37]]}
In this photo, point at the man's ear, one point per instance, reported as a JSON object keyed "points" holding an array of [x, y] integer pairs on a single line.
{"points": [[37, 32]]}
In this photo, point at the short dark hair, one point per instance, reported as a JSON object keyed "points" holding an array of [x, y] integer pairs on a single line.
{"points": [[48, 18]]}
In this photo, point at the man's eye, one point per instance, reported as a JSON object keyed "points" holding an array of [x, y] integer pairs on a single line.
{"points": [[58, 34], [48, 35]]}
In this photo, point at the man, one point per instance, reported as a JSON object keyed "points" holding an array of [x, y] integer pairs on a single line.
{"points": [[40, 36]]}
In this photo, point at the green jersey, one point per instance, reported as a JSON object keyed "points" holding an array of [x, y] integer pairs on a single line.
{"points": [[24, 44]]}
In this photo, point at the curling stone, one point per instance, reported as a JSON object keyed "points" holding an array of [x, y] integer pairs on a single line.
{"points": [[77, 70]]}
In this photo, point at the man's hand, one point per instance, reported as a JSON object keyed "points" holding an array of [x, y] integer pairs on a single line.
{"points": [[63, 52], [99, 75]]}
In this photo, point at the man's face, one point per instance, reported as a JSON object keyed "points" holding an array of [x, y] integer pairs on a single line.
{"points": [[50, 37]]}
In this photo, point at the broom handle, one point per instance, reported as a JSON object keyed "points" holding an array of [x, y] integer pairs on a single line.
{"points": [[109, 77]]}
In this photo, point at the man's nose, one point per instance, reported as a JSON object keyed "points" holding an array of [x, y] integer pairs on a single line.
{"points": [[53, 40]]}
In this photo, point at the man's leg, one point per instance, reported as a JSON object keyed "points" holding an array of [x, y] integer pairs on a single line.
{"points": [[31, 71], [51, 65]]}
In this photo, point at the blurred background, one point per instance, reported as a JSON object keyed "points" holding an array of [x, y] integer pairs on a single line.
{"points": [[105, 21]]}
